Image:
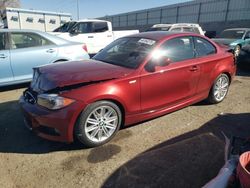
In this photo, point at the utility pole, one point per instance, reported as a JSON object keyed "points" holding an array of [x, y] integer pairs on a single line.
{"points": [[77, 6]]}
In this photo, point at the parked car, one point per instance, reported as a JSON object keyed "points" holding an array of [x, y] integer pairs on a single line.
{"points": [[21, 50], [65, 27], [178, 27], [96, 34], [235, 39], [133, 79]]}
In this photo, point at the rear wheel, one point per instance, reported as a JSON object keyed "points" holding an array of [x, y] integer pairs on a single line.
{"points": [[219, 90], [98, 123]]}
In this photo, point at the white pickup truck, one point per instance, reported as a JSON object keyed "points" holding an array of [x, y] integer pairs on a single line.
{"points": [[96, 34]]}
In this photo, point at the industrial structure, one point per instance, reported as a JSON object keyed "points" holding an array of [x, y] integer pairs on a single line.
{"points": [[15, 18], [212, 15]]}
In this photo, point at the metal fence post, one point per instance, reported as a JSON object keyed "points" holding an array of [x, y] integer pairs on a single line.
{"points": [[199, 13], [177, 14], [127, 19], [161, 15], [136, 19], [147, 18], [227, 10]]}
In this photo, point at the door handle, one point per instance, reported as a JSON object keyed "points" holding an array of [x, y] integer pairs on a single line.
{"points": [[2, 56], [194, 68], [50, 51], [90, 37]]}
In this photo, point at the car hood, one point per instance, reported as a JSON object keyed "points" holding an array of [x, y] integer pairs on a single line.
{"points": [[75, 73], [224, 41]]}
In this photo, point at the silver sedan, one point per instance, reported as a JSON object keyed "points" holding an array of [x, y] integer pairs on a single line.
{"points": [[21, 50]]}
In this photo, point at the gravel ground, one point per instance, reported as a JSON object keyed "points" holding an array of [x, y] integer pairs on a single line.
{"points": [[181, 149]]}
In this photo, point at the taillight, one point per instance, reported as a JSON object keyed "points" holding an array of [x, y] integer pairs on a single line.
{"points": [[85, 48]]}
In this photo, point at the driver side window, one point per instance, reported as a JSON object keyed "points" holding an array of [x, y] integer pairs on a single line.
{"points": [[83, 27], [26, 40], [179, 49]]}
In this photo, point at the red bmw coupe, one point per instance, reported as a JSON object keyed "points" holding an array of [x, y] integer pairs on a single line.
{"points": [[133, 79]]}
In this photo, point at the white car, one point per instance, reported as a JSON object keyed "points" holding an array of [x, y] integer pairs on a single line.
{"points": [[179, 27], [96, 34]]}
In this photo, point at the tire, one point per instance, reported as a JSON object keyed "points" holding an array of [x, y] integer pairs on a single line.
{"points": [[98, 123], [237, 50], [219, 89]]}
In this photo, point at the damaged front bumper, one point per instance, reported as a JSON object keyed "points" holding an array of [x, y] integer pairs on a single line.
{"points": [[55, 125]]}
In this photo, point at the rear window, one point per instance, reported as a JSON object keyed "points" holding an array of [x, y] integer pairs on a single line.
{"points": [[100, 27]]}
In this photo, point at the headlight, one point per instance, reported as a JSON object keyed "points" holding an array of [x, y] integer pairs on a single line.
{"points": [[53, 101]]}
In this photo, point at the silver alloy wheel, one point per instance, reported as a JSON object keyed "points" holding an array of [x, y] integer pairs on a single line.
{"points": [[221, 88], [237, 51], [101, 124]]}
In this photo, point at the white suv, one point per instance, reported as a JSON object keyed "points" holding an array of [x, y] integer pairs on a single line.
{"points": [[179, 27]]}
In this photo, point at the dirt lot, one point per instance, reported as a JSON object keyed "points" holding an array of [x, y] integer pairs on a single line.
{"points": [[181, 149]]}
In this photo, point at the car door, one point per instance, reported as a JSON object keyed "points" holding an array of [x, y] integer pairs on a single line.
{"points": [[96, 35], [29, 50], [82, 32], [206, 55], [174, 83], [6, 74], [247, 38], [102, 35]]}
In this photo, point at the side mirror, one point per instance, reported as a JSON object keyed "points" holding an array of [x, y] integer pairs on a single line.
{"points": [[161, 62], [73, 32]]}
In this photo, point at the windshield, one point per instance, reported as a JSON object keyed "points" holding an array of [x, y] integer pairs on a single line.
{"points": [[126, 52], [232, 34], [65, 27]]}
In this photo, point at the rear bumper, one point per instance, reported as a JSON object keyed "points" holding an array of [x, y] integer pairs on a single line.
{"points": [[55, 125]]}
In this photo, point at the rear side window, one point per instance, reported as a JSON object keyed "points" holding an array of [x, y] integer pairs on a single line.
{"points": [[2, 41], [176, 29], [179, 49], [83, 27], [100, 27], [26, 40], [191, 29], [203, 47], [188, 29]]}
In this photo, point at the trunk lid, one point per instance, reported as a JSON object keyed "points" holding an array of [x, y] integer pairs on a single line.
{"points": [[224, 41]]}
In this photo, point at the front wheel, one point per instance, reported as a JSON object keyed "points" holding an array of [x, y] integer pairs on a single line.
{"points": [[98, 123], [219, 89]]}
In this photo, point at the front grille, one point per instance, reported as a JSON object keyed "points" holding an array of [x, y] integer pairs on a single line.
{"points": [[30, 96]]}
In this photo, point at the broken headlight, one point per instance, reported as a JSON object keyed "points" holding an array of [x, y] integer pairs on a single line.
{"points": [[53, 101]]}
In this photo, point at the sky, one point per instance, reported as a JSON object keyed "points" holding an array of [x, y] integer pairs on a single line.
{"points": [[94, 8]]}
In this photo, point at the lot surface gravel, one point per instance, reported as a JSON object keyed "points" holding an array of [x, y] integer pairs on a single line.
{"points": [[181, 149]]}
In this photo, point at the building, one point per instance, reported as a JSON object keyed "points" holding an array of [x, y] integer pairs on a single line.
{"points": [[15, 18], [212, 15]]}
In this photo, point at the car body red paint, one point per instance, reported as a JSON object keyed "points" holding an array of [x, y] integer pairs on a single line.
{"points": [[140, 94]]}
